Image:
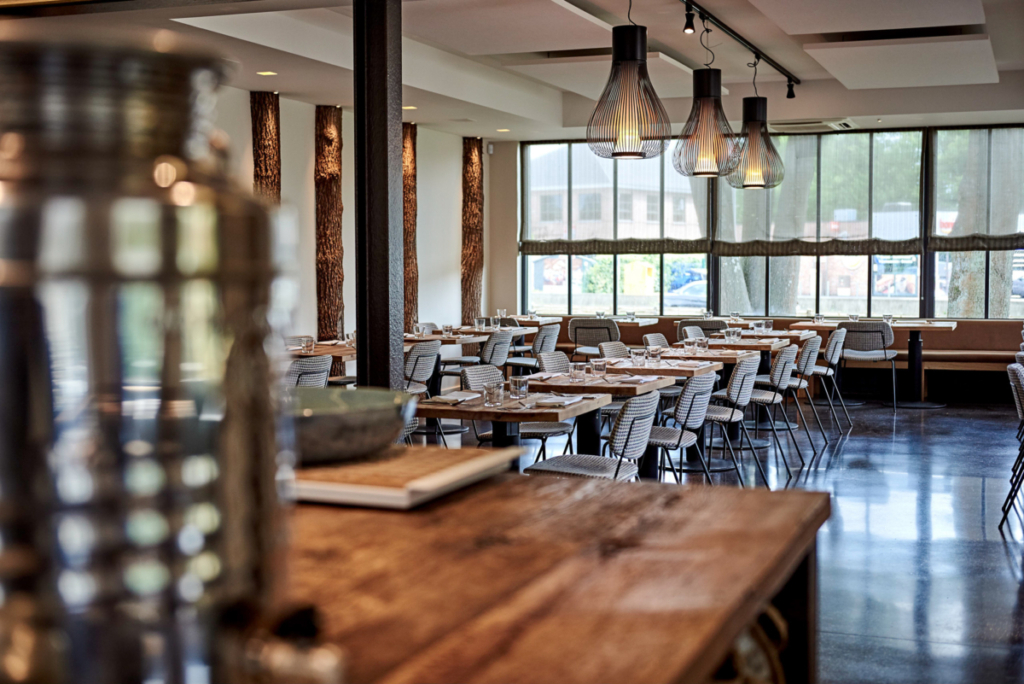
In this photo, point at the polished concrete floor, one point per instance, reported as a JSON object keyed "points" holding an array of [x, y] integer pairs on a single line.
{"points": [[917, 583]]}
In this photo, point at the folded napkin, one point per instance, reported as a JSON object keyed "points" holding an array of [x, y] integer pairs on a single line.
{"points": [[452, 398], [638, 379], [543, 376], [557, 402]]}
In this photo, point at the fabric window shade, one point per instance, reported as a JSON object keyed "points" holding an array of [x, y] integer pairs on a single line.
{"points": [[979, 190]]}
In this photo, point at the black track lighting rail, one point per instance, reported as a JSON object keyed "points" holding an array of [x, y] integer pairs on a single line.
{"points": [[765, 57]]}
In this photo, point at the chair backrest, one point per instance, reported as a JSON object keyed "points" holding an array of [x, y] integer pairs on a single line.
{"points": [[410, 427], [867, 335], [1022, 346], [834, 348], [475, 377], [296, 341], [1016, 373], [495, 351], [741, 383], [808, 356], [590, 332], [692, 405], [429, 327], [1019, 356], [511, 323], [689, 332], [553, 362], [655, 340], [711, 325], [420, 361], [632, 428], [782, 367], [311, 371], [613, 350], [546, 339]]}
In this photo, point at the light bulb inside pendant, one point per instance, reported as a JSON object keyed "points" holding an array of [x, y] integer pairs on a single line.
{"points": [[756, 164], [705, 146]]}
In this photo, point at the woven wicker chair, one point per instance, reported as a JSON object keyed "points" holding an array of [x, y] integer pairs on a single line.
{"points": [[803, 370], [310, 371], [833, 355], [684, 331], [613, 350], [710, 326], [475, 377], [419, 366], [773, 396], [587, 333], [553, 362], [495, 353], [689, 413], [669, 394], [655, 340], [1015, 371], [546, 340], [870, 341], [626, 443], [734, 402], [410, 427]]}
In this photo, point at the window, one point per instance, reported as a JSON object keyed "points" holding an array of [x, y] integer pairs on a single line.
{"points": [[626, 206], [550, 207], [741, 287], [653, 208], [678, 208], [547, 284], [590, 206], [844, 285], [895, 283], [791, 285], [686, 283], [639, 283], [592, 280]]}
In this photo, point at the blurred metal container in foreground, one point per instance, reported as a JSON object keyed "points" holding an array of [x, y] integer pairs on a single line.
{"points": [[139, 439]]}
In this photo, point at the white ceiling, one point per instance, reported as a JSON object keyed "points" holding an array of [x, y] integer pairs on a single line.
{"points": [[474, 66], [797, 17]]}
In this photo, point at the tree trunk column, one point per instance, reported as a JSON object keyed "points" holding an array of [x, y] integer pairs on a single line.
{"points": [[330, 274], [412, 269], [472, 228], [265, 111]]}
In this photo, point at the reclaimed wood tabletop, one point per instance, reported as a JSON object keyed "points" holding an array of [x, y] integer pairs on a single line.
{"points": [[725, 356], [675, 368], [537, 320], [750, 343], [338, 351], [512, 410], [559, 382], [791, 335], [916, 324], [542, 579]]}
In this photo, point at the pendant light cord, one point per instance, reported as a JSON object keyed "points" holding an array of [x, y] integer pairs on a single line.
{"points": [[707, 46], [629, 12], [757, 59]]}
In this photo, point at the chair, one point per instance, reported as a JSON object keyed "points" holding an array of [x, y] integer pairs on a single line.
{"points": [[689, 413], [1019, 356], [1015, 371], [804, 369], [870, 341], [515, 349], [546, 340], [474, 378], [655, 340], [772, 398], [494, 353], [612, 350], [587, 333], [684, 332], [709, 326], [833, 354], [410, 427], [310, 371], [670, 394], [626, 443], [553, 362], [735, 400], [429, 328], [419, 366]]}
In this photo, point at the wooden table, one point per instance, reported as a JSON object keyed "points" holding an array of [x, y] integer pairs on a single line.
{"points": [[342, 352], [727, 357], [914, 347], [539, 320], [791, 335], [637, 322], [676, 368], [560, 383], [765, 344], [522, 330], [505, 419], [541, 579], [477, 338]]}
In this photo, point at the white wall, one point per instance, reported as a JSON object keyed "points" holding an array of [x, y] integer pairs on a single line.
{"points": [[501, 240]]}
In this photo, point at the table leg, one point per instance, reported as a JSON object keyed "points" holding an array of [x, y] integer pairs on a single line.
{"points": [[798, 604], [588, 433], [648, 465], [507, 435], [434, 387], [915, 365]]}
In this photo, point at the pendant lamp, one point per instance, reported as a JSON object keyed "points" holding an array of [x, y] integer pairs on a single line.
{"points": [[705, 147], [629, 121], [757, 162]]}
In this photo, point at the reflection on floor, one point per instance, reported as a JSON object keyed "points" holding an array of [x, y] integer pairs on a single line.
{"points": [[916, 582]]}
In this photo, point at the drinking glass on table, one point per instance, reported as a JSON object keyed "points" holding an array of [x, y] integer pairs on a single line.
{"points": [[598, 367], [887, 318], [494, 393], [854, 317], [501, 313], [706, 314], [631, 315], [702, 344], [447, 330], [307, 344], [768, 325], [758, 327], [577, 372], [519, 386], [480, 323], [638, 357], [654, 355], [818, 319], [734, 315], [689, 345], [495, 322], [532, 313], [600, 314]]}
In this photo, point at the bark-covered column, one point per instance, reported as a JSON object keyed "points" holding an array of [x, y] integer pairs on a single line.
{"points": [[330, 275], [265, 110], [472, 228], [412, 269]]}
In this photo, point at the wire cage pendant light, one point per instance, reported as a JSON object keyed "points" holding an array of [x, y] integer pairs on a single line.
{"points": [[757, 162], [629, 121], [705, 146]]}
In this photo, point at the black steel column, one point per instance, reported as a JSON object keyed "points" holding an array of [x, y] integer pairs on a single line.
{"points": [[378, 183]]}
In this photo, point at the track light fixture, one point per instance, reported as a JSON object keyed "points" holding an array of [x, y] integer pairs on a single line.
{"points": [[790, 95], [688, 28], [629, 121]]}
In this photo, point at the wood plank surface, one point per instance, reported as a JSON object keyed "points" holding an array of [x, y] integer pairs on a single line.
{"points": [[338, 351], [539, 320], [676, 369], [454, 339], [541, 579], [759, 344], [607, 385], [725, 356], [920, 325], [637, 322], [511, 411], [791, 335]]}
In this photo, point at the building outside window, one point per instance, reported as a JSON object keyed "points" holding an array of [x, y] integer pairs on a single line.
{"points": [[626, 206], [551, 208], [590, 206]]}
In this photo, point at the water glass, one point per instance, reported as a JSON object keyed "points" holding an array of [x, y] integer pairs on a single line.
{"points": [[495, 322], [689, 345], [768, 325], [887, 318], [818, 319], [519, 386], [600, 314], [447, 330], [307, 344], [598, 367], [854, 317], [494, 393], [654, 355], [532, 313], [631, 315], [702, 343], [758, 327], [480, 323], [501, 313], [577, 372], [638, 357], [734, 315]]}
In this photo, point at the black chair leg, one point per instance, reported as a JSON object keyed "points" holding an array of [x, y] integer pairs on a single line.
{"points": [[893, 386], [803, 419], [760, 468], [817, 419], [735, 463]]}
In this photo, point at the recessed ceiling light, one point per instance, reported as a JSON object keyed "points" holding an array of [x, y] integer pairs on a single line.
{"points": [[503, 130], [879, 121], [266, 73], [409, 107]]}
